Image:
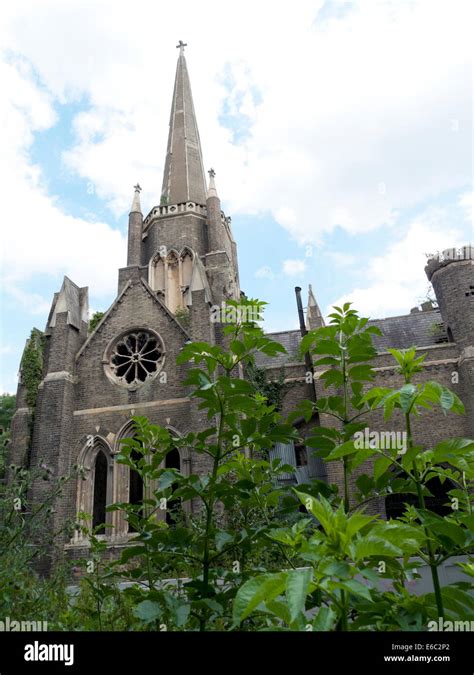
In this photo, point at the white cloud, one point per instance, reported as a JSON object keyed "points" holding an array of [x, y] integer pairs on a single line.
{"points": [[33, 303], [349, 123], [466, 202], [340, 258], [38, 238], [293, 268], [364, 95], [265, 272], [396, 278]]}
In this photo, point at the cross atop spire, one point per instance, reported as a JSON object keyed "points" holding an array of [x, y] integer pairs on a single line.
{"points": [[181, 45]]}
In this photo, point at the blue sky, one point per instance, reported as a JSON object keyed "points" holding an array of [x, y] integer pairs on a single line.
{"points": [[341, 138]]}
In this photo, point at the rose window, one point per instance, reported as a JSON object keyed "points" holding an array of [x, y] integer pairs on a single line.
{"points": [[136, 357]]}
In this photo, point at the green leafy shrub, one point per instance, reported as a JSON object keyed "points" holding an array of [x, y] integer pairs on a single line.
{"points": [[253, 553]]}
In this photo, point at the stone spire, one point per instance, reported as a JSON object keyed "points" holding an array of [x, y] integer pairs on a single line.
{"points": [[314, 318], [183, 178], [136, 208]]}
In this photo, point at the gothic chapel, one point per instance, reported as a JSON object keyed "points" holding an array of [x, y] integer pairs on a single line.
{"points": [[182, 259]]}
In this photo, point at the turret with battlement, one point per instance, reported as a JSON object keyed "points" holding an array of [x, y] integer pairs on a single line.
{"points": [[452, 275]]}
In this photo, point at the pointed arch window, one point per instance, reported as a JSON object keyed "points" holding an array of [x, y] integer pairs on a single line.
{"points": [[101, 471], [136, 487], [186, 261], [172, 461], [95, 484], [170, 276]]}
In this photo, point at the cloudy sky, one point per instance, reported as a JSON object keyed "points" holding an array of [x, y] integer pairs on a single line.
{"points": [[340, 132]]}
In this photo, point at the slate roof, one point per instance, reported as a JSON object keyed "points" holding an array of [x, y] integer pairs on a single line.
{"points": [[290, 339], [399, 332]]}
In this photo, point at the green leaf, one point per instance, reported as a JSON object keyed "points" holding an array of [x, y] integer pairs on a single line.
{"points": [[297, 585], [330, 347], [283, 536], [279, 609], [181, 614], [167, 478], [332, 377], [446, 399], [347, 448], [374, 546], [365, 484], [148, 611], [237, 347], [407, 394], [406, 537], [255, 591], [467, 568], [356, 522], [381, 465], [446, 528], [336, 568], [354, 587], [320, 508], [445, 450], [222, 538], [458, 600], [397, 355], [324, 619], [327, 361], [361, 373]]}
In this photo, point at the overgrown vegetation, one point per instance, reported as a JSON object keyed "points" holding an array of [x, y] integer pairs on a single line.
{"points": [[31, 366], [27, 537], [94, 321], [258, 554], [7, 408], [274, 390], [182, 314]]}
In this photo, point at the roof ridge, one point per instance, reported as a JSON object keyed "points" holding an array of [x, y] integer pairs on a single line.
{"points": [[106, 315]]}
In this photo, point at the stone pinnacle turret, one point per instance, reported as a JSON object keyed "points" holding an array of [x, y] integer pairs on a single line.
{"points": [[136, 207], [135, 226]]}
